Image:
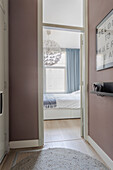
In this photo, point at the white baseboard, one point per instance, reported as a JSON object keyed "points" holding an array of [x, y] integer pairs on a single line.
{"points": [[2, 158], [24, 144], [101, 153]]}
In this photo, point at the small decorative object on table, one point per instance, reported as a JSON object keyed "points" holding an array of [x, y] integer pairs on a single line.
{"points": [[98, 87]]}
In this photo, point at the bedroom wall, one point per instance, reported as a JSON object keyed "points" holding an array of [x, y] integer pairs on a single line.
{"points": [[23, 78], [100, 108], [66, 39]]}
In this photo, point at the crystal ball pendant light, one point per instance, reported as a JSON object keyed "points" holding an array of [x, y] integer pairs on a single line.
{"points": [[51, 51]]}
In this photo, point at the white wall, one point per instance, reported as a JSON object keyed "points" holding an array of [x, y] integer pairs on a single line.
{"points": [[67, 12], [65, 39]]}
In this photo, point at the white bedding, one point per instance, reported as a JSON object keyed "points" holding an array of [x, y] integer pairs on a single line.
{"points": [[71, 100]]}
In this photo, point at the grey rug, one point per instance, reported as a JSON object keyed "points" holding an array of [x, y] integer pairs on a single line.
{"points": [[59, 159]]}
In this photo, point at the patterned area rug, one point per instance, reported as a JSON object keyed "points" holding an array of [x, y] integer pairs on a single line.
{"points": [[59, 159]]}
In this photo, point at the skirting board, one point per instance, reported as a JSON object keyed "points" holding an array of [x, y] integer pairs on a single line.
{"points": [[57, 113], [24, 144], [2, 158], [101, 153]]}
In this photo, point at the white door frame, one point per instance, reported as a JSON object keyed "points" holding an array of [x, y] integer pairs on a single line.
{"points": [[40, 67], [40, 72], [6, 77], [4, 7]]}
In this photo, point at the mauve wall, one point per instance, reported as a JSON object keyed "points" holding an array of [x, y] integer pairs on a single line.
{"points": [[23, 76], [100, 108]]}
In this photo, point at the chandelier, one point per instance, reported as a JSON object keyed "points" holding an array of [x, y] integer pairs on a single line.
{"points": [[52, 51]]}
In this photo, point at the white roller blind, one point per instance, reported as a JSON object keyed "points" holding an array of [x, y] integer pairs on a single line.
{"points": [[64, 12]]}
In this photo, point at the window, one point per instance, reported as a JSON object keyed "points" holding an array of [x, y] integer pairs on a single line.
{"points": [[55, 76], [63, 12]]}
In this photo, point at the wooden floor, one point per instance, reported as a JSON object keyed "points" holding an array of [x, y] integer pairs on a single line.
{"points": [[58, 133], [60, 130]]}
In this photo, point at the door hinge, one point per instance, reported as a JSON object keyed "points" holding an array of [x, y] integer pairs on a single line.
{"points": [[82, 42]]}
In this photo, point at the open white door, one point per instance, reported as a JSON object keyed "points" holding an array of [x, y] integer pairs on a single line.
{"points": [[83, 83], [2, 116]]}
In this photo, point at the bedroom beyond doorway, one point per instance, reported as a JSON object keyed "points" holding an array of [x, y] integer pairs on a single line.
{"points": [[61, 78], [61, 88]]}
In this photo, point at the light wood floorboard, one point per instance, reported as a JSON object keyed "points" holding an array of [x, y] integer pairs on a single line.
{"points": [[58, 133], [77, 144], [8, 162], [59, 130]]}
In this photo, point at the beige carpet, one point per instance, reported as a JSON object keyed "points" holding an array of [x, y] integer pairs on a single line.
{"points": [[59, 159]]}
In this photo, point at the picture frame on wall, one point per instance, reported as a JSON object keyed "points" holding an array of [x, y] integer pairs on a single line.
{"points": [[104, 43]]}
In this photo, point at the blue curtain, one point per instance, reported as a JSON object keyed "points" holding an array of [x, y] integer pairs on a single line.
{"points": [[73, 70]]}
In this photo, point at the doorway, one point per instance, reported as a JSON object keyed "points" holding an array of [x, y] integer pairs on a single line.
{"points": [[73, 27], [61, 82]]}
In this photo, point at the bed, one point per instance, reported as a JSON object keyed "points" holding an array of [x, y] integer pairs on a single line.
{"points": [[62, 106]]}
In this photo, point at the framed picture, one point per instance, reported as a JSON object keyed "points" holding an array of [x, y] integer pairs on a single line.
{"points": [[104, 43]]}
